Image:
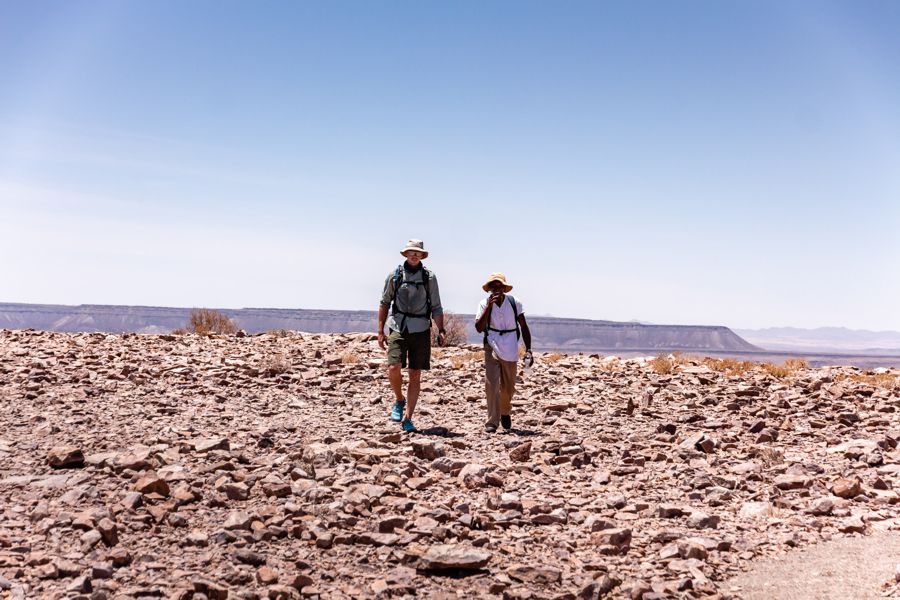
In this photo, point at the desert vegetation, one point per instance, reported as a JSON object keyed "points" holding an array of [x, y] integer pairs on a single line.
{"points": [[349, 358], [275, 364], [458, 361], [455, 328], [552, 357], [786, 369], [205, 321], [729, 366], [886, 380]]}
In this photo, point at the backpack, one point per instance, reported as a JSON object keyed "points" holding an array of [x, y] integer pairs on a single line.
{"points": [[399, 280], [512, 302]]}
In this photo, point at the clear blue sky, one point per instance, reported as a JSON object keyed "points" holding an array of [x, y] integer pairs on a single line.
{"points": [[714, 162]]}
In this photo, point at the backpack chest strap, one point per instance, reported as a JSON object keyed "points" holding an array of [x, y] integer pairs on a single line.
{"points": [[399, 279], [512, 303]]}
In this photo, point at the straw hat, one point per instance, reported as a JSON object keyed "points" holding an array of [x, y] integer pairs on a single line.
{"points": [[497, 277], [416, 246]]}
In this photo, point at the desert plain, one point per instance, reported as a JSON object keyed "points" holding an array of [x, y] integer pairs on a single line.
{"points": [[265, 466]]}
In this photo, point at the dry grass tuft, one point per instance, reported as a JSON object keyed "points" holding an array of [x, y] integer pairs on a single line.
{"points": [[455, 328], [204, 321], [459, 361], [797, 364], [779, 371], [662, 365], [552, 357], [609, 366], [886, 381], [679, 359], [729, 366], [768, 456], [349, 358], [275, 364], [665, 365], [279, 333], [788, 368]]}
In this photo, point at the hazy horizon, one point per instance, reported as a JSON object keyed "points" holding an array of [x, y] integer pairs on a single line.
{"points": [[776, 328], [702, 164]]}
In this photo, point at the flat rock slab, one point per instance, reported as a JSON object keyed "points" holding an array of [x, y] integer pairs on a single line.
{"points": [[448, 556], [837, 570]]}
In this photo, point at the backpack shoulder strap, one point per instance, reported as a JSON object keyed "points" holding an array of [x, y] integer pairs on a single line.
{"points": [[426, 280], [397, 279], [512, 302]]}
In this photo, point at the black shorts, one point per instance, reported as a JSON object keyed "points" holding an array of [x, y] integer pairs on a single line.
{"points": [[417, 346]]}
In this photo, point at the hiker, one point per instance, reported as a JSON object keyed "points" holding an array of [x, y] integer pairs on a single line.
{"points": [[501, 320], [412, 296]]}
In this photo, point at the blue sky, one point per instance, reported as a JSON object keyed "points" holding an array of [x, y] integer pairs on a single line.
{"points": [[726, 163]]}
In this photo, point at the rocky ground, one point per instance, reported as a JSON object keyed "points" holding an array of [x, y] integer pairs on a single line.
{"points": [[266, 467]]}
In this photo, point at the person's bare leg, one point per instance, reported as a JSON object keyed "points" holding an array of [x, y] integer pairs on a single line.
{"points": [[395, 375], [412, 392]]}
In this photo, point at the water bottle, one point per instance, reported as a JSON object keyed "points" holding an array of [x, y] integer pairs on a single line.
{"points": [[527, 362]]}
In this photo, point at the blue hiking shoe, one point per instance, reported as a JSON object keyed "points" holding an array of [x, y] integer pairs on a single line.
{"points": [[397, 412], [408, 427]]}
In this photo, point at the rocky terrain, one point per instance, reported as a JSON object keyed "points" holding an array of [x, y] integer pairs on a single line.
{"points": [[551, 333], [264, 466]]}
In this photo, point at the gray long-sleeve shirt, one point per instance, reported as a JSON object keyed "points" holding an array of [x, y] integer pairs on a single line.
{"points": [[411, 298]]}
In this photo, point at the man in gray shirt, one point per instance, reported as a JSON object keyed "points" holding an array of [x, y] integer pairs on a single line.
{"points": [[409, 301]]}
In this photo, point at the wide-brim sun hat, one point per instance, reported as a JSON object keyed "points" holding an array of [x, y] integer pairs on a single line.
{"points": [[415, 246], [497, 277]]}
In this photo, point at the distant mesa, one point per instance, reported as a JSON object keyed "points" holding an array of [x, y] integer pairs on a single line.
{"points": [[550, 333]]}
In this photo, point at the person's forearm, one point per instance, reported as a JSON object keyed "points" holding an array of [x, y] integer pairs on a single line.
{"points": [[382, 317], [485, 318], [439, 321], [526, 335]]}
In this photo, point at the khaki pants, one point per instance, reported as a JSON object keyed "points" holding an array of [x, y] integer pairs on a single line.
{"points": [[499, 385]]}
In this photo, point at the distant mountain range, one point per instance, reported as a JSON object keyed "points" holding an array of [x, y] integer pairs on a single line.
{"points": [[550, 333], [824, 339]]}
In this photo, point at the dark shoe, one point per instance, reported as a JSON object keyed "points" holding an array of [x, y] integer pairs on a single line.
{"points": [[408, 426], [506, 421], [490, 428]]}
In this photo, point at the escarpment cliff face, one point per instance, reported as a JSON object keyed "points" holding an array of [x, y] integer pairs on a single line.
{"points": [[586, 335], [549, 333]]}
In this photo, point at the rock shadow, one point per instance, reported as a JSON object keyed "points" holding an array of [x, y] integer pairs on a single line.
{"points": [[453, 573], [440, 431]]}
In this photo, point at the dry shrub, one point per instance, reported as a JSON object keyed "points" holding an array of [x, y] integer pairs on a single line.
{"points": [[779, 371], [662, 365], [455, 331], [887, 381], [609, 366], [768, 456], [788, 368], [679, 359], [204, 321], [552, 357], [797, 364], [460, 360], [729, 366], [275, 364], [349, 358]]}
